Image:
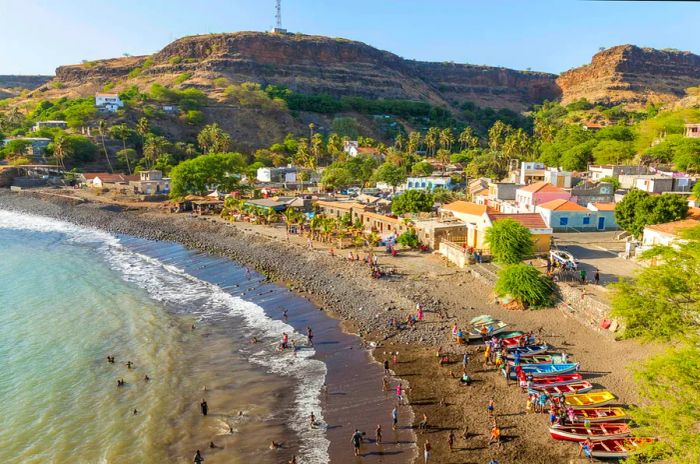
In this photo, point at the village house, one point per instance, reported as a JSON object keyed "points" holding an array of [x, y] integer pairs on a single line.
{"points": [[267, 205], [338, 209], [497, 194], [586, 192], [385, 226], [429, 183], [431, 232], [353, 149], [108, 102], [528, 197], [106, 180], [692, 131], [591, 126], [277, 175], [558, 178], [605, 216], [657, 183], [599, 171], [667, 234], [529, 172], [541, 232], [563, 215], [151, 183], [472, 215], [52, 124]]}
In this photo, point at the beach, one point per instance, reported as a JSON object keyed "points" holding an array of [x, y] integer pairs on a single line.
{"points": [[364, 305]]}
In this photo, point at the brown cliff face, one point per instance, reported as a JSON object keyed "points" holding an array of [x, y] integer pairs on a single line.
{"points": [[632, 76], [313, 64]]}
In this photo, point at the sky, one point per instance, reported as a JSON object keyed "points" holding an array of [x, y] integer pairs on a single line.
{"points": [[36, 36]]}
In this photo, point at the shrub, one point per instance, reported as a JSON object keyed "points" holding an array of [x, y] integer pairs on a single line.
{"points": [[182, 77], [194, 117], [175, 59], [412, 201], [409, 239], [19, 161], [525, 284]]}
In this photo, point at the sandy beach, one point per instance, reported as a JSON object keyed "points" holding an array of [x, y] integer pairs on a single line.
{"points": [[346, 291]]}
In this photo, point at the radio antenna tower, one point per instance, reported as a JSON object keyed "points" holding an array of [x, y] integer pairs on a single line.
{"points": [[278, 19]]}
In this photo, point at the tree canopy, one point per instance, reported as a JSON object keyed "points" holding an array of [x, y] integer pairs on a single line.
{"points": [[412, 201], [336, 177], [509, 241], [525, 284], [206, 172], [390, 174], [639, 209]]}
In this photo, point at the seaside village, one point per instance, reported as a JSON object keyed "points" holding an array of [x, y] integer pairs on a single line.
{"points": [[572, 219]]}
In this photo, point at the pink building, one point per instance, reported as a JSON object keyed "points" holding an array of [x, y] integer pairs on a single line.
{"points": [[528, 197]]}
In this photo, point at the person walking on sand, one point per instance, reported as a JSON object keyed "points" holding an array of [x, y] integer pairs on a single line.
{"points": [[399, 392], [285, 340], [386, 367], [427, 448], [378, 435], [465, 360], [385, 384], [495, 435], [356, 441], [205, 407], [451, 440], [310, 336], [394, 418], [490, 408], [596, 277], [198, 459]]}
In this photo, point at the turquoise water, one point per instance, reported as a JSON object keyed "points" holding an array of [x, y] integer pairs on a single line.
{"points": [[71, 296]]}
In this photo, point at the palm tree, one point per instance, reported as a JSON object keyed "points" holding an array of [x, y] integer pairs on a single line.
{"points": [[315, 224], [143, 127], [467, 139], [446, 138], [431, 140], [60, 149], [101, 129], [312, 126], [414, 142], [121, 132], [154, 146]]}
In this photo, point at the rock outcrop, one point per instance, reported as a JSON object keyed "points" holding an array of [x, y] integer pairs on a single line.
{"points": [[313, 64], [632, 76]]}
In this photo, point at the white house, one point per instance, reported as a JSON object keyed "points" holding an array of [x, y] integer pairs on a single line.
{"points": [[428, 183], [288, 174], [558, 177], [151, 183], [108, 102]]}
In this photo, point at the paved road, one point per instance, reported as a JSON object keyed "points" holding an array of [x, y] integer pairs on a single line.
{"points": [[598, 250]]}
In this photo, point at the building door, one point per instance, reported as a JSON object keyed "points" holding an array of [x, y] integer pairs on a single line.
{"points": [[601, 223]]}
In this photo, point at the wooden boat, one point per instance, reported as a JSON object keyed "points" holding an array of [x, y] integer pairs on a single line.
{"points": [[527, 350], [540, 359], [538, 370], [589, 399], [493, 328], [483, 319], [556, 380], [595, 432], [568, 389], [596, 414], [513, 340], [618, 448]]}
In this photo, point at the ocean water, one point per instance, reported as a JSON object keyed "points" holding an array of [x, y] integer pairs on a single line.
{"points": [[70, 296]]}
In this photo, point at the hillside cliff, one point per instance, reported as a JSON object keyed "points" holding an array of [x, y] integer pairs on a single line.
{"points": [[313, 64], [633, 76]]}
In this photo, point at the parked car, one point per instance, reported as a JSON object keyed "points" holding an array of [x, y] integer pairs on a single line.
{"points": [[564, 257]]}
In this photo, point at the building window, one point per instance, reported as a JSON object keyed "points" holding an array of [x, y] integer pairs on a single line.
{"points": [[563, 221], [586, 220]]}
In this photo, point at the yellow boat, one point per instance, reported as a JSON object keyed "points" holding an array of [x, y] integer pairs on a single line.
{"points": [[589, 399], [599, 414]]}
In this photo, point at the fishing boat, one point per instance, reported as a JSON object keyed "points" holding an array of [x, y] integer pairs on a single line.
{"points": [[594, 432], [528, 350], [538, 370], [510, 334], [568, 389], [483, 319], [618, 448], [541, 359], [492, 328], [589, 399], [513, 339], [556, 380], [597, 414]]}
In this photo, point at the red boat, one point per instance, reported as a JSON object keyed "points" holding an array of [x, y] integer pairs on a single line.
{"points": [[595, 432], [556, 380], [568, 389], [618, 448]]}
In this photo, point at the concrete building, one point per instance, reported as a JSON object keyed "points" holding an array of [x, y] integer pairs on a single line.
{"points": [[530, 172], [692, 131], [605, 216], [384, 226], [530, 196], [534, 222], [563, 216], [433, 231], [658, 183], [107, 180], [497, 194], [277, 175], [337, 209], [428, 183], [151, 183], [667, 234], [586, 192], [108, 102], [558, 178], [599, 171], [52, 124]]}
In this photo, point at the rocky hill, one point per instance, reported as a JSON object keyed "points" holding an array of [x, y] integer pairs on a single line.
{"points": [[11, 85], [313, 65], [632, 76]]}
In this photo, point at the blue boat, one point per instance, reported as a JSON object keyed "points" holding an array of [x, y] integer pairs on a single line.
{"points": [[527, 350], [539, 370]]}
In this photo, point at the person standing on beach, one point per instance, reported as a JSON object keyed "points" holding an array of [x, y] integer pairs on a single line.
{"points": [[198, 459], [356, 441], [490, 408], [451, 440], [394, 418], [285, 340], [310, 336], [399, 393], [427, 451], [386, 367], [596, 277], [205, 407], [378, 434]]}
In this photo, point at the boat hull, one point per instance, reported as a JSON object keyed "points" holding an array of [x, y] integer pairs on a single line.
{"points": [[543, 370], [568, 389], [596, 432], [557, 380]]}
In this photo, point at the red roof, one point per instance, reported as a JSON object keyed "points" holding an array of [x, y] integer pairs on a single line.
{"points": [[562, 205], [367, 150], [675, 227], [604, 206], [542, 187], [529, 220], [110, 178], [465, 207]]}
